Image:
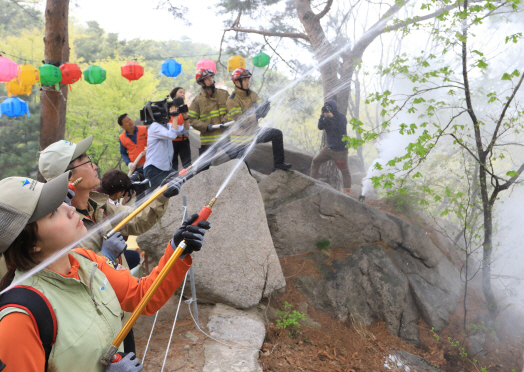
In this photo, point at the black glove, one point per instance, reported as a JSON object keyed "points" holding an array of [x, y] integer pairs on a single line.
{"points": [[129, 363], [113, 247], [174, 184], [210, 128], [263, 109], [192, 234], [70, 195]]}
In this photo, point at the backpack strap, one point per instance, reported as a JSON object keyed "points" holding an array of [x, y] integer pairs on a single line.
{"points": [[39, 309]]}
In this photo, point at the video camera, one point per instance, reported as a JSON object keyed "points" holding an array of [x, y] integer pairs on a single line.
{"points": [[159, 111], [327, 108]]}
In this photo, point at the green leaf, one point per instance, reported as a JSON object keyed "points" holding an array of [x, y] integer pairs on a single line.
{"points": [[512, 174], [506, 76]]}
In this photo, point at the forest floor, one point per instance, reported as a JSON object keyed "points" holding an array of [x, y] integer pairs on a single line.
{"points": [[330, 345]]}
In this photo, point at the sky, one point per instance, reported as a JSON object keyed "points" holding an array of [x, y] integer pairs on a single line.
{"points": [[141, 19]]}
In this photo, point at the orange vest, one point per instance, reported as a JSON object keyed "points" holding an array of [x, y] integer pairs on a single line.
{"points": [[180, 122], [141, 143]]}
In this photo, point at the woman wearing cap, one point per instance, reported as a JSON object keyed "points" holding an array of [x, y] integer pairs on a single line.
{"points": [[86, 293]]}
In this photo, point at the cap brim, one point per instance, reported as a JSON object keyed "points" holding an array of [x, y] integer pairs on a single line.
{"points": [[82, 147], [52, 196]]}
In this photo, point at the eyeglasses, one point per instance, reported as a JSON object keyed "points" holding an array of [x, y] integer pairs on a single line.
{"points": [[89, 161]]}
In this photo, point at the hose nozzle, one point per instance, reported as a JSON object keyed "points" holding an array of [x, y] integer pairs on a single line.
{"points": [[75, 183], [211, 203]]}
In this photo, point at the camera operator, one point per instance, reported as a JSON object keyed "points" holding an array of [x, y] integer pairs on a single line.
{"points": [[160, 137], [334, 123], [117, 185]]}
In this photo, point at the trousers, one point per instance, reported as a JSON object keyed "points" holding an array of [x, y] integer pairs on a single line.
{"points": [[340, 158]]}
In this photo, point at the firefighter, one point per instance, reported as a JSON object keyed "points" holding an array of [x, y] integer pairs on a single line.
{"points": [[206, 110], [246, 108], [65, 317], [133, 141]]}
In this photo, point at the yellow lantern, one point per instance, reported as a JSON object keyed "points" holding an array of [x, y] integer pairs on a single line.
{"points": [[14, 88], [29, 75], [235, 62]]}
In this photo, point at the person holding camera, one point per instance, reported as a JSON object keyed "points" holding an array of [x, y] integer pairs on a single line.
{"points": [[181, 146], [133, 142], [159, 162], [207, 110], [246, 108], [334, 123]]}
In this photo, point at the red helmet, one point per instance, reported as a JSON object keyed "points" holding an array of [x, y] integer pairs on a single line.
{"points": [[240, 73], [203, 73]]}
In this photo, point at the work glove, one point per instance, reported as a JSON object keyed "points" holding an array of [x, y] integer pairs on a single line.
{"points": [[263, 109], [113, 247], [129, 363], [192, 234], [174, 184], [210, 128], [70, 195]]}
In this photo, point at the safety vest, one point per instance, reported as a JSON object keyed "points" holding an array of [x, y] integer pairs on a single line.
{"points": [[135, 149], [180, 121], [88, 315]]}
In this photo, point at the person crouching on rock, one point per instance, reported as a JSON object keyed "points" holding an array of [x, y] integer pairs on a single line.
{"points": [[79, 293], [334, 123]]}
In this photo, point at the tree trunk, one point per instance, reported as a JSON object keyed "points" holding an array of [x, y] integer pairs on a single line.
{"points": [[52, 128], [65, 88]]}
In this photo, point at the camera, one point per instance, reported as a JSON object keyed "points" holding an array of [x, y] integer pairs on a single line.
{"points": [[327, 108], [138, 184], [159, 111]]}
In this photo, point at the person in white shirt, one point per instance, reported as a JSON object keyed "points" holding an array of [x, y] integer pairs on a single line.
{"points": [[159, 161]]}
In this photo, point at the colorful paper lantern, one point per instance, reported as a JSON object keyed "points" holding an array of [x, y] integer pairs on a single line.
{"points": [[8, 69], [171, 68], [261, 59], [235, 62], [14, 88], [14, 107], [207, 63], [132, 71], [50, 74], [71, 73], [29, 75], [94, 74]]}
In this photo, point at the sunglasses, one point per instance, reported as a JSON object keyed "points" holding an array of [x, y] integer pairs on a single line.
{"points": [[88, 161]]}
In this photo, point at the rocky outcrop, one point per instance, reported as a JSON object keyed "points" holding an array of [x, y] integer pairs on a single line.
{"points": [[243, 331], [389, 269], [261, 158], [238, 264], [402, 361]]}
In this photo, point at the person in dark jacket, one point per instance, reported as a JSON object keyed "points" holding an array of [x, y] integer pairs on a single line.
{"points": [[334, 123]]}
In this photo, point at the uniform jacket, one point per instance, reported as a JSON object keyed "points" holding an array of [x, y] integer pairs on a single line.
{"points": [[238, 109], [205, 110]]}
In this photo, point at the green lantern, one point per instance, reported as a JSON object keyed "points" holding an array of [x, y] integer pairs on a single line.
{"points": [[261, 59], [49, 74], [94, 74]]}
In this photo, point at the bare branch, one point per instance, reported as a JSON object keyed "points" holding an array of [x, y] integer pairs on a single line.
{"points": [[274, 51], [325, 11], [292, 35]]}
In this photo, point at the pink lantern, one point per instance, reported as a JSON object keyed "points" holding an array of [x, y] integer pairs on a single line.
{"points": [[8, 69], [207, 63]]}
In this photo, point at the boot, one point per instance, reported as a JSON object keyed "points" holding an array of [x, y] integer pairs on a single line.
{"points": [[282, 166]]}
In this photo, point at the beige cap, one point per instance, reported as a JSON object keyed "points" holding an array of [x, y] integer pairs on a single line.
{"points": [[24, 200], [56, 157]]}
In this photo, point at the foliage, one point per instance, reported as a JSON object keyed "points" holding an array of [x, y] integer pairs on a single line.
{"points": [[288, 319], [323, 245]]}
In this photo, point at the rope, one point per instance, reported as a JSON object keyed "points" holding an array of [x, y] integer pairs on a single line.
{"points": [[174, 322], [150, 335]]}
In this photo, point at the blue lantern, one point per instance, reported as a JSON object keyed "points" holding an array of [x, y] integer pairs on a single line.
{"points": [[171, 68], [14, 107]]}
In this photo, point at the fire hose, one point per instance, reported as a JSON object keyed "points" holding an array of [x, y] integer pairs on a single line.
{"points": [[218, 126], [110, 355]]}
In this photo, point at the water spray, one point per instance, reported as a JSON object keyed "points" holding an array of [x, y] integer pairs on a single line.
{"points": [[111, 355]]}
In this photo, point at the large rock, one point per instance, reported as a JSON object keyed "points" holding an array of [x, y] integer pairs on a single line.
{"points": [[245, 332], [402, 361], [238, 263], [305, 215], [261, 158]]}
